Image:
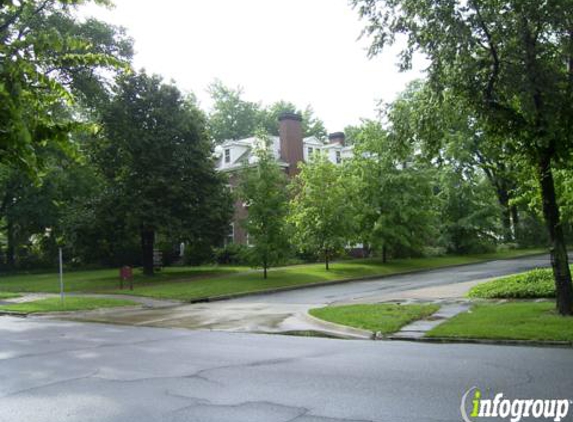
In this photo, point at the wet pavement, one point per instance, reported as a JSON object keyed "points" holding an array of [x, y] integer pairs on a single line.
{"points": [[56, 371]]}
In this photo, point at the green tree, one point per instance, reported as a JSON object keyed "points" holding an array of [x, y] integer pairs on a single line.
{"points": [[319, 212], [263, 189], [37, 62], [469, 216], [394, 200], [158, 165], [231, 117], [512, 64], [446, 131]]}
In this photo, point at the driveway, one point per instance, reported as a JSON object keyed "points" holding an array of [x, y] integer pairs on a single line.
{"points": [[280, 312], [77, 372]]}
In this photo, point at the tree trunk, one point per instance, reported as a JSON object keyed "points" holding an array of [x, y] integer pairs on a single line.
{"points": [[326, 259], [559, 259], [265, 266], [503, 198], [384, 254], [515, 222], [10, 247], [147, 243]]}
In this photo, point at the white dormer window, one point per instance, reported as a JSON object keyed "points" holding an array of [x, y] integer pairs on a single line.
{"points": [[338, 157], [227, 155]]}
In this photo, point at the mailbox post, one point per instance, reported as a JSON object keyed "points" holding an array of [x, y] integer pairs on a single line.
{"points": [[125, 274]]}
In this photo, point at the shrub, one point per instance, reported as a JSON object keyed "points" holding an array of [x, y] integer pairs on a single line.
{"points": [[233, 253], [537, 283]]}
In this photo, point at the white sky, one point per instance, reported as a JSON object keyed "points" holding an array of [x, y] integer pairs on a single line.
{"points": [[303, 51]]}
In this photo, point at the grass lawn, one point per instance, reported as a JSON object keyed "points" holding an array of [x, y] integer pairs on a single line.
{"points": [[386, 318], [96, 281], [53, 304], [514, 321], [187, 283], [8, 295]]}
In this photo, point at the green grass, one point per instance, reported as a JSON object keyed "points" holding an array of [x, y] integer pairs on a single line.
{"points": [[188, 283], [538, 283], [386, 318], [53, 304], [96, 281], [513, 321], [8, 295]]}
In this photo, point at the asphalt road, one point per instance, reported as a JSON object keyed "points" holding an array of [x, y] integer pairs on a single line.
{"points": [[279, 312], [55, 371], [369, 290]]}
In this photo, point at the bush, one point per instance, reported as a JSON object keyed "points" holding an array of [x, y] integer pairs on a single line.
{"points": [[233, 254], [198, 253], [537, 283]]}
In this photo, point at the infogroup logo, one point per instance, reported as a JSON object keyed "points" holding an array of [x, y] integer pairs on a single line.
{"points": [[513, 409]]}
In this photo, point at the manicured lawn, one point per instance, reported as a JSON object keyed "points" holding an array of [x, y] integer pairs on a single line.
{"points": [[107, 279], [8, 295], [514, 321], [299, 275], [70, 304], [386, 318], [537, 283], [187, 283]]}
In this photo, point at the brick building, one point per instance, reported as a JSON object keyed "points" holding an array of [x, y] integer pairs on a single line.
{"points": [[289, 148]]}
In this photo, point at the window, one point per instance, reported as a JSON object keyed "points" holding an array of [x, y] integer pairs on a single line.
{"points": [[338, 157], [310, 151], [231, 236], [227, 155]]}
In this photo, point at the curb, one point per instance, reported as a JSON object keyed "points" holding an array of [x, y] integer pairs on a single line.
{"points": [[14, 313], [490, 342], [342, 281], [338, 330]]}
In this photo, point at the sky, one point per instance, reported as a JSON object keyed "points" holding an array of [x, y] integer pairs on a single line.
{"points": [[307, 52]]}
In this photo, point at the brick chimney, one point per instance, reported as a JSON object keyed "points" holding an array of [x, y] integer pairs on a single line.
{"points": [[337, 138], [290, 134]]}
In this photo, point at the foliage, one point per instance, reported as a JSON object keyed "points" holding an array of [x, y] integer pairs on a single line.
{"points": [[38, 60], [510, 62], [233, 117], [446, 131], [394, 202], [512, 321], [231, 254], [320, 214], [156, 161], [383, 318], [263, 188], [533, 284], [469, 217], [311, 125]]}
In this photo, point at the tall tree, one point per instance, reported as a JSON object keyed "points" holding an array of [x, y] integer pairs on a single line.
{"points": [[158, 163], [512, 63], [394, 193], [37, 60], [232, 116], [263, 188], [319, 211], [443, 129]]}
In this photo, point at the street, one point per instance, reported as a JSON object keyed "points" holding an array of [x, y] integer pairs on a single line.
{"points": [[69, 371]]}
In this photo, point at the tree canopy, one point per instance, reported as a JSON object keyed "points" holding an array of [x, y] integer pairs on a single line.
{"points": [[511, 63]]}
